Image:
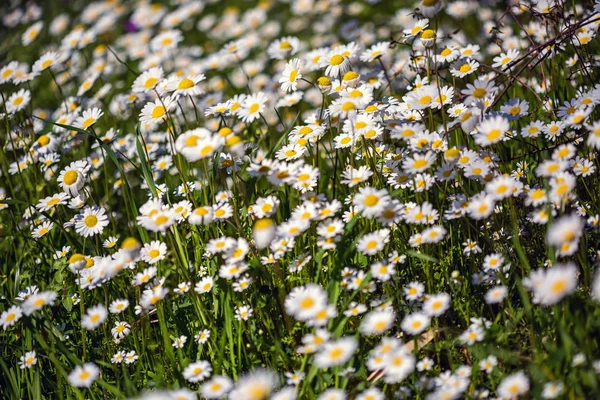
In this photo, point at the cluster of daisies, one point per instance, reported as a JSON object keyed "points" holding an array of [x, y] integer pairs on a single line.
{"points": [[328, 204]]}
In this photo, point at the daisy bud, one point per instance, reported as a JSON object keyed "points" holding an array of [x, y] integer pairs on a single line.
{"points": [[350, 78], [225, 132], [235, 145], [77, 262], [428, 37], [324, 84], [452, 155], [263, 232], [131, 245]]}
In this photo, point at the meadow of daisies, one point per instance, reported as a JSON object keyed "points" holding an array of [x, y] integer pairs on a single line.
{"points": [[305, 199]]}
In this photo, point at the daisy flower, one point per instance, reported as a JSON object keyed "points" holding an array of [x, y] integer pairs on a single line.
{"points": [[36, 301], [42, 229], [558, 282], [418, 162], [375, 51], [336, 352], [478, 90], [282, 48], [252, 107], [94, 317], [376, 322], [48, 203], [417, 27], [28, 360], [118, 306], [496, 294], [513, 386], [197, 371], [179, 342], [10, 316], [88, 118], [91, 221], [148, 80], [18, 101], [491, 130], [8, 71], [414, 324], [120, 330], [504, 59], [47, 60], [166, 40], [436, 304], [370, 201], [84, 375], [156, 112], [464, 67], [187, 86], [153, 252], [290, 75], [218, 387]]}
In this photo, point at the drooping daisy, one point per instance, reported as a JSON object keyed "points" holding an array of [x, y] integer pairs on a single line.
{"points": [[335, 63], [72, 178]]}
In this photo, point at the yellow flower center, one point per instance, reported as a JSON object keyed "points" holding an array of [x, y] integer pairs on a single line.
{"points": [[185, 84], [158, 112], [91, 221], [88, 122], [336, 59]]}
